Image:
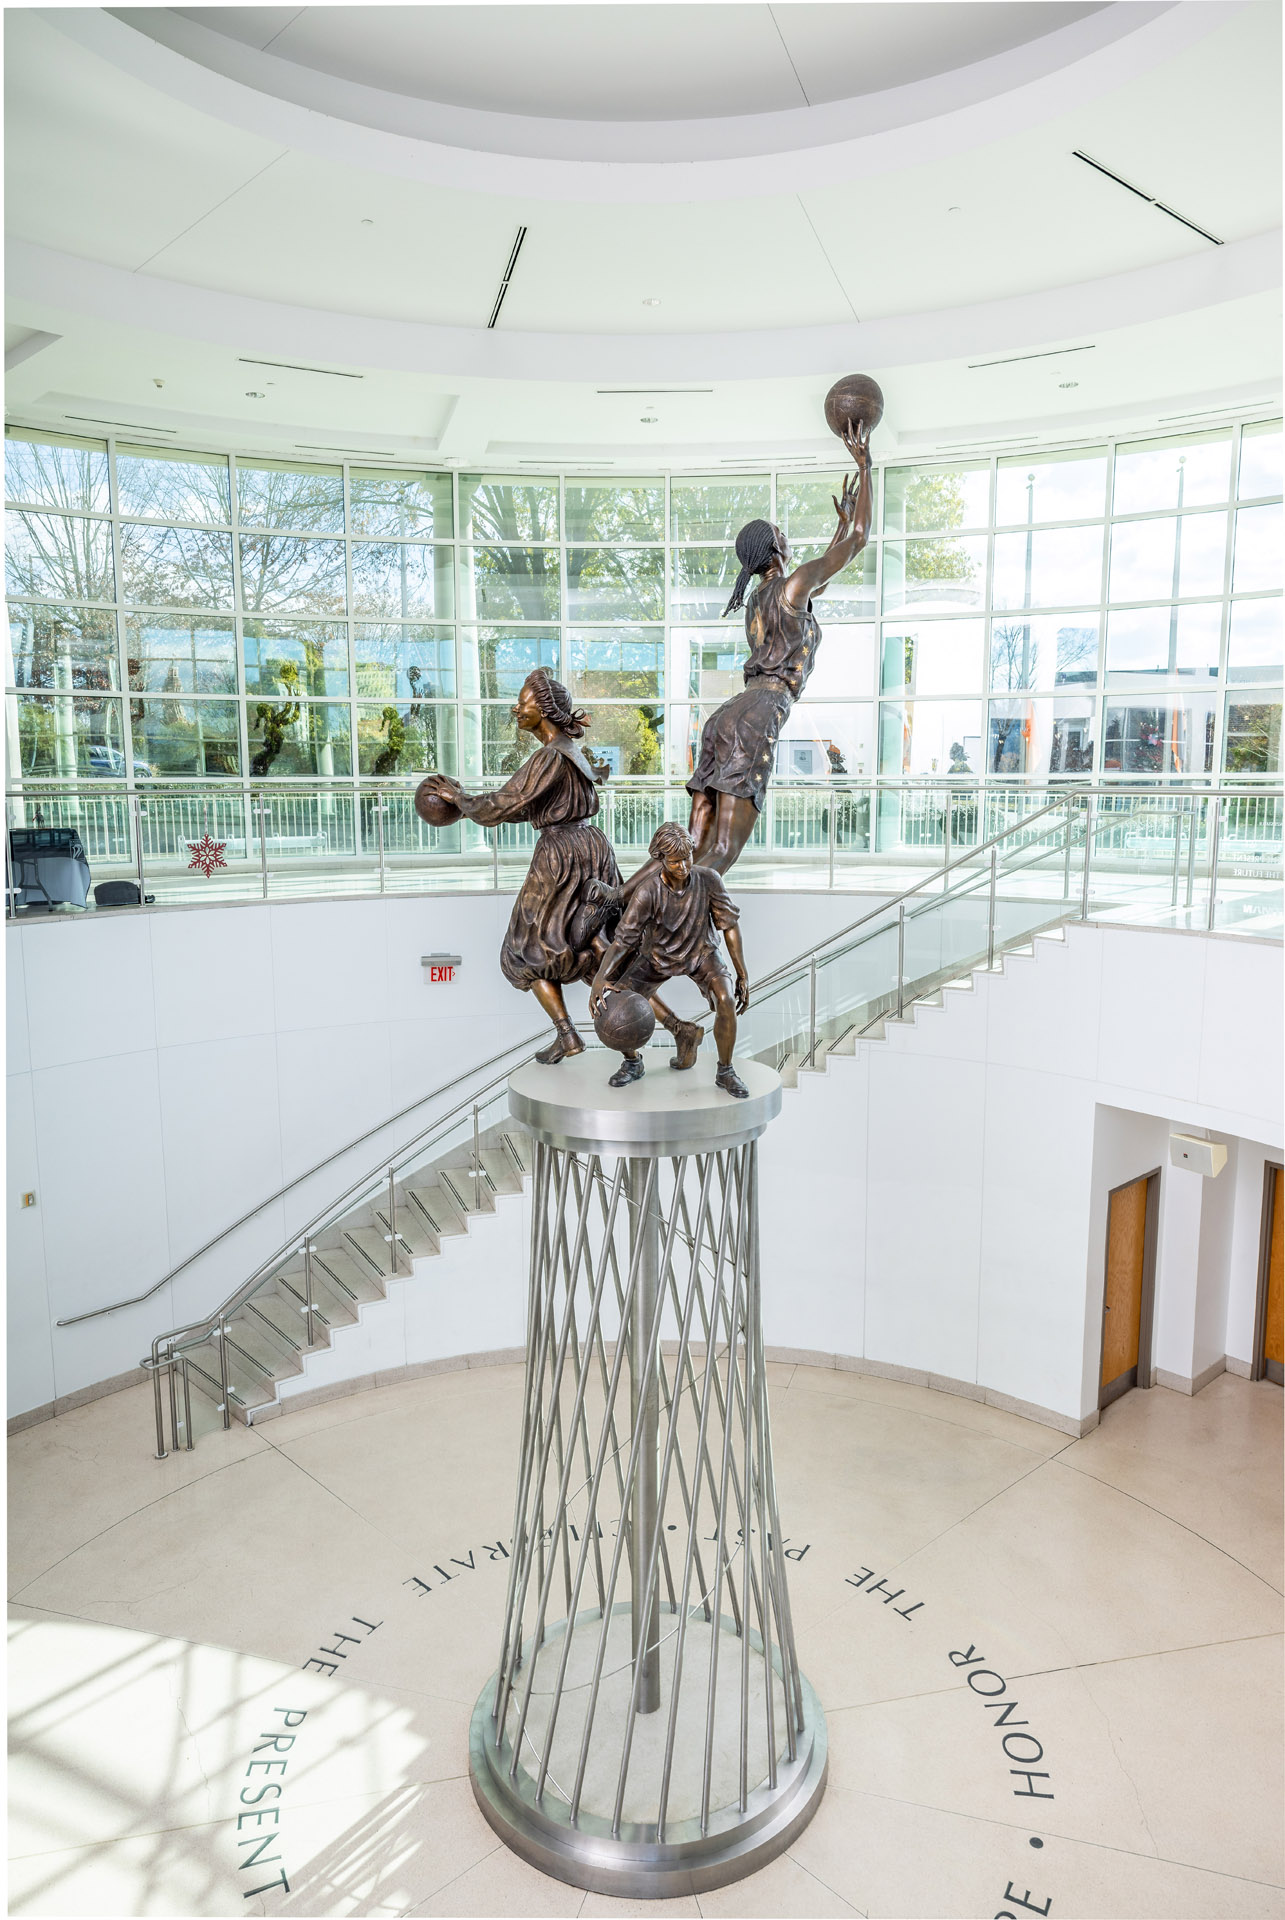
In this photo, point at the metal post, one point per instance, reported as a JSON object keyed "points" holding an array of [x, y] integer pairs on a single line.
{"points": [[990, 916], [835, 797], [901, 957], [477, 1164], [1191, 848], [1066, 864], [160, 1411], [309, 1309], [1212, 839], [263, 845], [222, 1337], [173, 1385], [138, 849], [379, 830], [392, 1219], [187, 1406], [812, 1010], [1088, 855], [645, 1414], [946, 839], [495, 859], [1178, 811]]}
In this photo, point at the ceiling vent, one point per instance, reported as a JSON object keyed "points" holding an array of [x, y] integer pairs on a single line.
{"points": [[130, 426], [508, 275], [291, 366], [647, 392], [1045, 353], [1150, 198]]}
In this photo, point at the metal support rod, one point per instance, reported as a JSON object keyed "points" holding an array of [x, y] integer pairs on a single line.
{"points": [[1213, 838], [644, 1219], [946, 838], [835, 799], [1191, 849], [309, 1309], [812, 1011], [1066, 863], [901, 958], [990, 911], [263, 844], [393, 1253], [1088, 855], [187, 1407], [1178, 812], [138, 848], [173, 1387], [160, 1413], [379, 834], [221, 1335], [477, 1164]]}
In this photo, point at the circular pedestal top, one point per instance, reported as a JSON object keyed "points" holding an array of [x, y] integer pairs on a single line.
{"points": [[665, 1112]]}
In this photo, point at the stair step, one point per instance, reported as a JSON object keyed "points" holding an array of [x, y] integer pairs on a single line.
{"points": [[518, 1146], [418, 1241], [470, 1190], [288, 1317], [247, 1387], [334, 1306], [437, 1207], [500, 1171], [262, 1345], [372, 1248], [351, 1275]]}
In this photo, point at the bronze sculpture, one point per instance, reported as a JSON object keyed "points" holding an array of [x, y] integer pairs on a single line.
{"points": [[555, 930], [670, 927]]}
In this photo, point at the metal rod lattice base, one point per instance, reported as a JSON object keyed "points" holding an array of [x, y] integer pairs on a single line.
{"points": [[648, 1731]]}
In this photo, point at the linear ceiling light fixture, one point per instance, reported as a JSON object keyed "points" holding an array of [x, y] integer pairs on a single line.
{"points": [[648, 391], [1150, 198], [1045, 353], [508, 275], [291, 366], [92, 419]]}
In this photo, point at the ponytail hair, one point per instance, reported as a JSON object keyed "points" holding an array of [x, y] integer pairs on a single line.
{"points": [[554, 703], [756, 549]]}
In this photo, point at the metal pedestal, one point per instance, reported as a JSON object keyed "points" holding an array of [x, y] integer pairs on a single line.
{"points": [[647, 1732]]}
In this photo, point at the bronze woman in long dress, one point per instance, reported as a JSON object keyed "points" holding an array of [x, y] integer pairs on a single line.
{"points": [[554, 933]]}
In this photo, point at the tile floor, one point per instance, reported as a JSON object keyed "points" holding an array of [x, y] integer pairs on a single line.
{"points": [[1124, 1588]]}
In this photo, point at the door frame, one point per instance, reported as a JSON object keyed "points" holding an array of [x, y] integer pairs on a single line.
{"points": [[1146, 1306], [1272, 1172]]}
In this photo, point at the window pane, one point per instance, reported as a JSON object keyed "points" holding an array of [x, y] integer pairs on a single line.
{"points": [[55, 470], [286, 493], [284, 574], [615, 510], [155, 483], [936, 657], [1154, 641], [1254, 646], [1057, 568], [400, 503], [843, 665], [69, 738], [1168, 736], [174, 737], [717, 509], [626, 663], [493, 745], [702, 581], [608, 583], [56, 556], [175, 567], [631, 739], [1257, 563], [947, 576], [168, 653], [63, 647], [822, 742], [288, 737], [851, 594], [805, 506], [1040, 737], [1260, 460], [494, 661], [510, 583], [400, 663], [1148, 556], [1191, 470], [936, 499], [1252, 743], [924, 738], [411, 737], [305, 658], [511, 510], [397, 580], [1058, 650], [1051, 486], [708, 661]]}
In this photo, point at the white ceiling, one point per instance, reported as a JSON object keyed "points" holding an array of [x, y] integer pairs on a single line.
{"points": [[661, 62], [193, 218]]}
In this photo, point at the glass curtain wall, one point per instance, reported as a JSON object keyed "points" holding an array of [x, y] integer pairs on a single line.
{"points": [[1109, 611]]}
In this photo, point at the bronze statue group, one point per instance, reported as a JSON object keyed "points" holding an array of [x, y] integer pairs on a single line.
{"points": [[574, 917]]}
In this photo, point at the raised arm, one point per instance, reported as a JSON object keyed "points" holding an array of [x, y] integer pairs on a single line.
{"points": [[512, 801], [854, 508]]}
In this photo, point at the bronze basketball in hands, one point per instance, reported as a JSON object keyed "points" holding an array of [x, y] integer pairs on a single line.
{"points": [[853, 401], [625, 1022], [433, 807]]}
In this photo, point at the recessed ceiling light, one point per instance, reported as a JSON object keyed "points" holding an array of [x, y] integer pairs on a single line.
{"points": [[648, 419], [255, 396], [366, 222], [651, 303], [1064, 384], [954, 209]]}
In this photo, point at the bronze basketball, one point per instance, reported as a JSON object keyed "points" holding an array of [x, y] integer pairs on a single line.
{"points": [[432, 808], [625, 1021], [853, 400]]}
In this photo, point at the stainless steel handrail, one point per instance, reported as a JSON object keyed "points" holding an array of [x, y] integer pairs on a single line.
{"points": [[299, 1179]]}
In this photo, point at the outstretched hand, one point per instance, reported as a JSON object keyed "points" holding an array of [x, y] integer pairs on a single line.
{"points": [[742, 993]]}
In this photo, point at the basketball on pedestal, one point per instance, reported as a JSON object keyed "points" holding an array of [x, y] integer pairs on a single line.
{"points": [[625, 1021], [856, 400], [433, 808]]}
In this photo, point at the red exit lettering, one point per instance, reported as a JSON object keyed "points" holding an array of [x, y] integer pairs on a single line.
{"points": [[441, 973]]}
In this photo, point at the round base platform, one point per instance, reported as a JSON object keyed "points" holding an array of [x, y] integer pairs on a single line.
{"points": [[634, 1864], [571, 1106]]}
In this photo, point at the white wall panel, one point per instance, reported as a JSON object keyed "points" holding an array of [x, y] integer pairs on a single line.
{"points": [[29, 1354], [329, 964], [332, 1082], [17, 1047], [1149, 1037], [222, 1134], [1240, 1028], [813, 1213], [88, 999], [212, 974]]}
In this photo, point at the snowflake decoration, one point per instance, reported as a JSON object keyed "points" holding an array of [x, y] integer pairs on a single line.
{"points": [[206, 855]]}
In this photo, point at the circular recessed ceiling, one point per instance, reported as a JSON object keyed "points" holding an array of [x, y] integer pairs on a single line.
{"points": [[640, 63]]}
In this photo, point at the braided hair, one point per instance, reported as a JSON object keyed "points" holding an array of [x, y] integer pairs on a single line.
{"points": [[554, 703], [756, 549]]}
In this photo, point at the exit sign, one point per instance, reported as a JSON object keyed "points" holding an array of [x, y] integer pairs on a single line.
{"points": [[439, 968]]}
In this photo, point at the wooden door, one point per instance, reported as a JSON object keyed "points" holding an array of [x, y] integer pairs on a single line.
{"points": [[1125, 1286], [1274, 1307]]}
